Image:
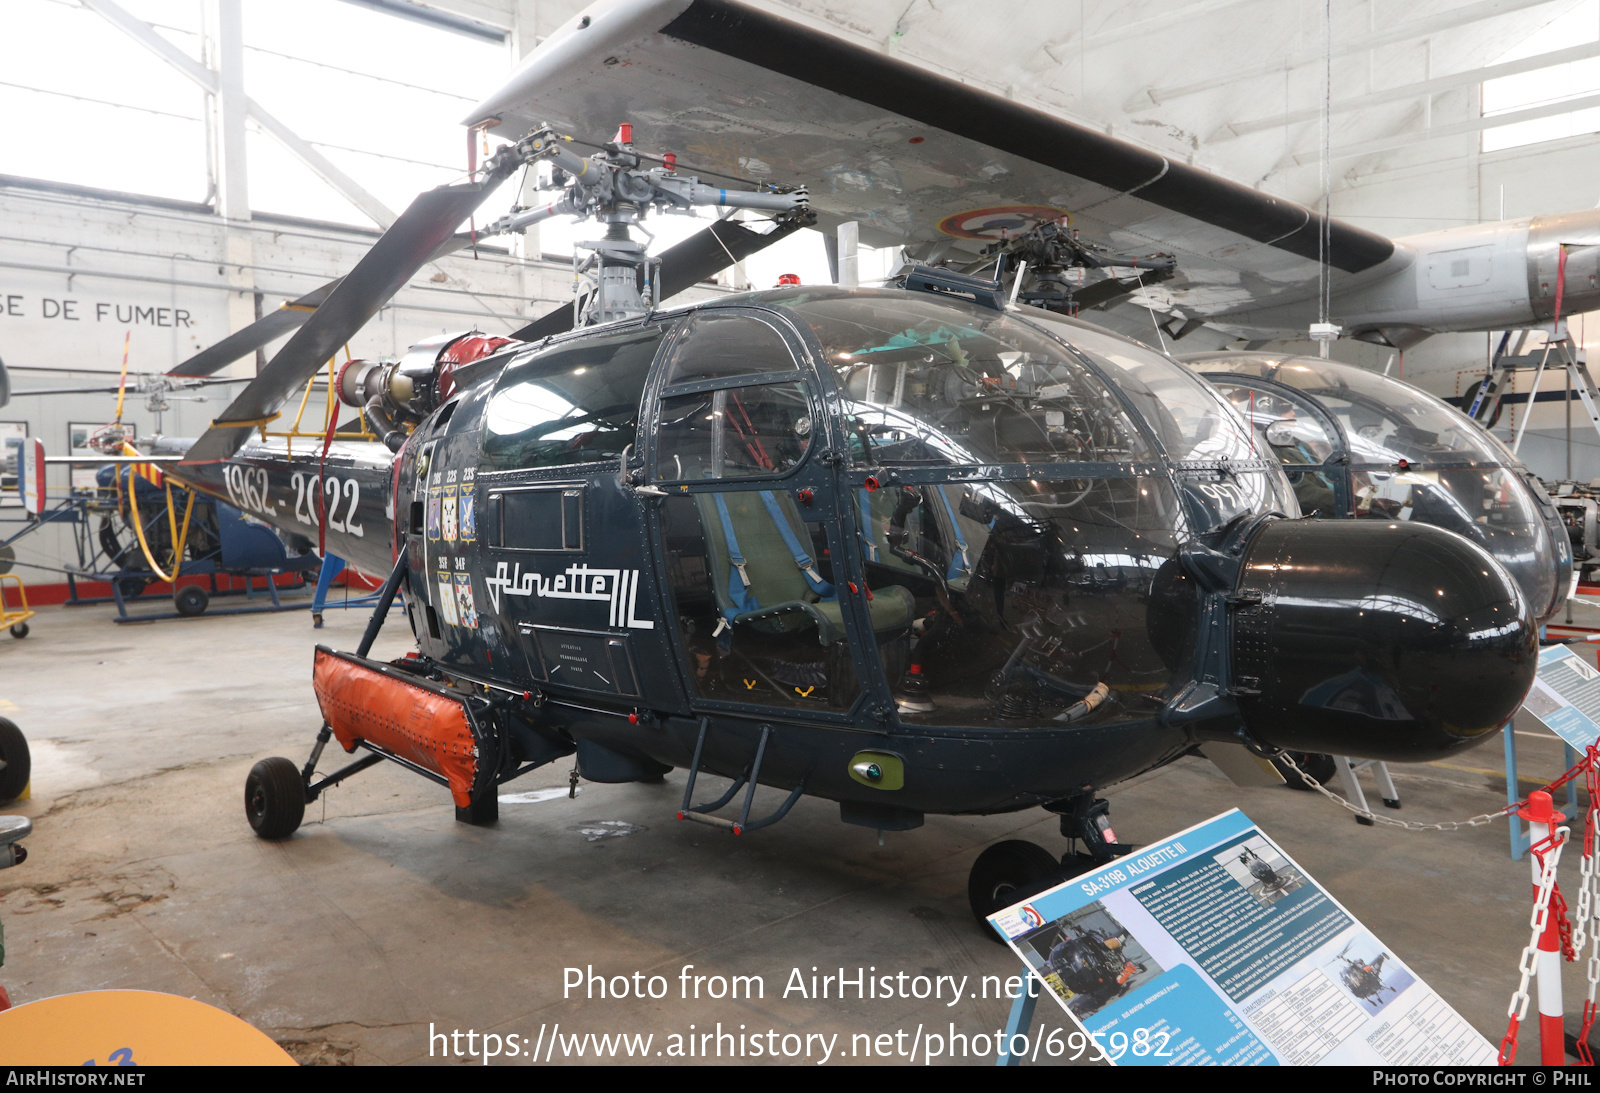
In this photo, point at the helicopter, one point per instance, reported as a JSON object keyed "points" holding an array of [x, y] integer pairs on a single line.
{"points": [[1093, 966], [1362, 979], [1270, 879], [147, 529], [1367, 446], [907, 549]]}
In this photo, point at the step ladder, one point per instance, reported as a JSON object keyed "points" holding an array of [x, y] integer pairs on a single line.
{"points": [[1558, 352], [1348, 769]]}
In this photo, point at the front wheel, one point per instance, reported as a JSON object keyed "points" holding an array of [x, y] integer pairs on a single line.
{"points": [[274, 798], [20, 630], [1004, 873], [191, 601]]}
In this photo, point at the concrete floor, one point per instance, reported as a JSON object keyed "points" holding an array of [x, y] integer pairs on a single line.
{"points": [[383, 918]]}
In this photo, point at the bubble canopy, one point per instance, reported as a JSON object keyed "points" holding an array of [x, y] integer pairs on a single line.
{"points": [[1031, 476], [1362, 445]]}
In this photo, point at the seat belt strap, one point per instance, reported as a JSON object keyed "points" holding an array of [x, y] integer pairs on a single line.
{"points": [[739, 594], [801, 559], [960, 560], [868, 530]]}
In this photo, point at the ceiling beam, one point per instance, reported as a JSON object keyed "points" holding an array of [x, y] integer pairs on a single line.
{"points": [[1137, 28], [348, 188], [1234, 130], [1405, 32], [1438, 132], [146, 35]]}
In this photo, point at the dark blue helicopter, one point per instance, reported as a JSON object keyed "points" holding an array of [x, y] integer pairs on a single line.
{"points": [[906, 549]]}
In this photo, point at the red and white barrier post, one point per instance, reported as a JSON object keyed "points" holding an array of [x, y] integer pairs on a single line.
{"points": [[1542, 820]]}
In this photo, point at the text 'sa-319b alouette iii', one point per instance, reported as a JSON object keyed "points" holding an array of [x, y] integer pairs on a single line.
{"points": [[914, 549]]}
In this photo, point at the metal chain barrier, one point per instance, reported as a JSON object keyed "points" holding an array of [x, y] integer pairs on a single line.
{"points": [[1518, 1009], [1386, 821], [1589, 909]]}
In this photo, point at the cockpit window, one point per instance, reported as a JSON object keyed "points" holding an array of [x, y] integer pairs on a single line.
{"points": [[720, 345], [1190, 419], [575, 403], [1386, 420], [925, 381]]}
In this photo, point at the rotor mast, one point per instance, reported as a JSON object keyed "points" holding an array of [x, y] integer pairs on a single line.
{"points": [[614, 187]]}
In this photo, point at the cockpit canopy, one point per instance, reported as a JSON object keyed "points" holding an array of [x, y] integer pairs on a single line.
{"points": [[1358, 444]]}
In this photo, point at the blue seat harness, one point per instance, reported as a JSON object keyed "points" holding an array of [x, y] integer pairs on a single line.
{"points": [[741, 600]]}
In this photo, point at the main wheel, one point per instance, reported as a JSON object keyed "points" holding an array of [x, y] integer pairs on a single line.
{"points": [[191, 601], [1002, 874], [1319, 766], [15, 764], [20, 630], [274, 798]]}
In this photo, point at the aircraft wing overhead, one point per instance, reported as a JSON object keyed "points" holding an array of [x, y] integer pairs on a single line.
{"points": [[914, 157]]}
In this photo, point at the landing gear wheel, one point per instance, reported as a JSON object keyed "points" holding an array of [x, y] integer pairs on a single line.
{"points": [[1319, 766], [1002, 874], [274, 798], [131, 586], [482, 812], [191, 601], [15, 764], [20, 630]]}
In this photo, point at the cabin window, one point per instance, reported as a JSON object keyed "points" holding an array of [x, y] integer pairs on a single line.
{"points": [[574, 403], [757, 626], [719, 345], [733, 432]]}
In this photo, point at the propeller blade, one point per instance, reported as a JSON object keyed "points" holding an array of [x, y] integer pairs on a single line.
{"points": [[243, 342], [682, 265], [1103, 292], [114, 388], [411, 242], [270, 327]]}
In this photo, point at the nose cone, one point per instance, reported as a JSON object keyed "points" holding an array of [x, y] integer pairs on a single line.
{"points": [[1396, 641]]}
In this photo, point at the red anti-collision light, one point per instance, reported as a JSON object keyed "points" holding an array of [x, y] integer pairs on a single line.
{"points": [[788, 279], [871, 484]]}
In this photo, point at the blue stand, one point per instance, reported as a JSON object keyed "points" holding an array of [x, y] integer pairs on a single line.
{"points": [[332, 566], [1021, 1020], [1519, 838]]}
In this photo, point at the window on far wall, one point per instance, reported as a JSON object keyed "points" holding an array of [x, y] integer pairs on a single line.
{"points": [[1549, 89]]}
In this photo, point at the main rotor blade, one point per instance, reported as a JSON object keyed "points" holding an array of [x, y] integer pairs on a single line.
{"points": [[134, 391], [411, 242], [682, 265], [270, 327], [246, 340]]}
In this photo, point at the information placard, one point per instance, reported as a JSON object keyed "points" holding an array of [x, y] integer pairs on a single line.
{"points": [[1565, 697], [1215, 947]]}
